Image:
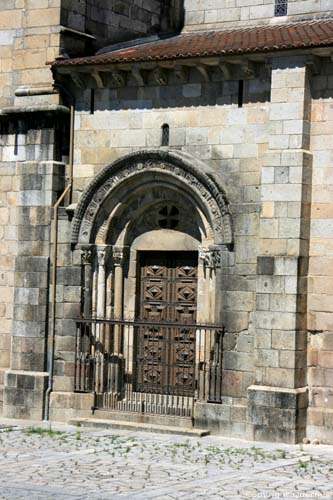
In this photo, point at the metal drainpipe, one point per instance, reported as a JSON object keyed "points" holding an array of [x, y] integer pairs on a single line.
{"points": [[54, 239]]}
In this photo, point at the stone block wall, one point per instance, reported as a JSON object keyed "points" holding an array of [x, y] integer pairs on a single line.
{"points": [[116, 21], [33, 32], [10, 24], [38, 185], [283, 245], [206, 122], [8, 248], [320, 296], [213, 14], [69, 298], [28, 38]]}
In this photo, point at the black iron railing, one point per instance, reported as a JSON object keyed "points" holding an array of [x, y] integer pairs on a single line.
{"points": [[152, 367]]}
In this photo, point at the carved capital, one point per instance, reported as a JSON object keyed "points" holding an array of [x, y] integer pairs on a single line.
{"points": [[211, 258], [160, 76], [101, 256], [86, 256], [181, 73], [119, 78], [248, 69], [118, 255]]}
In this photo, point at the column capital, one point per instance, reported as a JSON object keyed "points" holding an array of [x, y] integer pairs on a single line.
{"points": [[210, 257], [86, 256], [101, 256], [118, 255]]}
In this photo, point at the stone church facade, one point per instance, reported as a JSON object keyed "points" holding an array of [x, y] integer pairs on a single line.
{"points": [[166, 214]]}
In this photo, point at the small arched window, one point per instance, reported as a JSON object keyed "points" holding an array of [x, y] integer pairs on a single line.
{"points": [[165, 134], [281, 8]]}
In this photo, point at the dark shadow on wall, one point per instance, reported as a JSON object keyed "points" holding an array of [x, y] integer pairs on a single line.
{"points": [[192, 92], [115, 22]]}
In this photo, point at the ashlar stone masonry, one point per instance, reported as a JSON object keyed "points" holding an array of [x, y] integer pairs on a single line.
{"points": [[129, 133]]}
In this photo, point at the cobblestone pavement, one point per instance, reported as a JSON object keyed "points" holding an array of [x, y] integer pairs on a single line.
{"points": [[69, 463]]}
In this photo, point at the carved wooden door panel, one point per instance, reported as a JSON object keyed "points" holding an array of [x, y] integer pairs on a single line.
{"points": [[165, 355]]}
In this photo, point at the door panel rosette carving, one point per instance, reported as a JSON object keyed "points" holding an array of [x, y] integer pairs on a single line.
{"points": [[186, 272], [186, 292], [154, 291], [155, 271]]}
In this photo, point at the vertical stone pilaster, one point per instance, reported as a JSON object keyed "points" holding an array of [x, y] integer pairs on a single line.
{"points": [[38, 184], [118, 255], [101, 282], [87, 258], [277, 402]]}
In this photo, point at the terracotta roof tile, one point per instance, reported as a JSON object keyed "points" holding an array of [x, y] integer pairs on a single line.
{"points": [[218, 43]]}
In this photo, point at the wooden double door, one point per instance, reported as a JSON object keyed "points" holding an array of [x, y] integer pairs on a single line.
{"points": [[167, 301]]}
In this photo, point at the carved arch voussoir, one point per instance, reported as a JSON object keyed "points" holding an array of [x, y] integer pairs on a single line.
{"points": [[180, 167]]}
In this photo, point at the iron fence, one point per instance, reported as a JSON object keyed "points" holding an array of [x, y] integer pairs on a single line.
{"points": [[149, 367]]}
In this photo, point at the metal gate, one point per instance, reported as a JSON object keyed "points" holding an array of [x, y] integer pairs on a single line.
{"points": [[149, 380], [162, 362]]}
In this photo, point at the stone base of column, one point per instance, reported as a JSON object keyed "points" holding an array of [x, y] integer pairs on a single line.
{"points": [[65, 406], [277, 414], [24, 394], [320, 425], [221, 419]]}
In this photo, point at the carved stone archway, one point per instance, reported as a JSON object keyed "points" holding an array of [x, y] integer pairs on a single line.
{"points": [[114, 221], [176, 168], [154, 228]]}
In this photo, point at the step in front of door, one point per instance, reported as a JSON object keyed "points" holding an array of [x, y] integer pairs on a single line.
{"points": [[108, 424], [144, 418]]}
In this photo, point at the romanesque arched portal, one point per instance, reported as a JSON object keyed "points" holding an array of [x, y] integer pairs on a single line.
{"points": [[153, 227]]}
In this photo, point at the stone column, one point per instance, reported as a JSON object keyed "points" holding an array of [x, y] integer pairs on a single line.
{"points": [[278, 400], [101, 282], [108, 309], [118, 255], [87, 260], [211, 344], [100, 297]]}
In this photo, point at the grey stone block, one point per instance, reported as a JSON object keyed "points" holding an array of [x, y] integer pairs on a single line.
{"points": [[31, 263], [26, 296], [265, 265], [29, 328]]}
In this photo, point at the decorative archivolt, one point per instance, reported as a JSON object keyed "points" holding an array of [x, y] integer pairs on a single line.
{"points": [[187, 173]]}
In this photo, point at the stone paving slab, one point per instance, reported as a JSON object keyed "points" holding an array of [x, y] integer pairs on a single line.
{"points": [[60, 462]]}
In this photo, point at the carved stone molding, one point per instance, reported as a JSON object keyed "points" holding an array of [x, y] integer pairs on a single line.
{"points": [[211, 258], [182, 171], [119, 255], [86, 256], [160, 76], [101, 256], [119, 78]]}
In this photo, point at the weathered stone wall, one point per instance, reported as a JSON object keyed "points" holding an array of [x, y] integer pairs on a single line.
{"points": [[29, 37], [115, 21], [33, 182], [266, 161], [320, 297], [33, 32], [283, 258], [207, 14], [274, 158], [8, 247], [206, 122], [39, 184]]}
